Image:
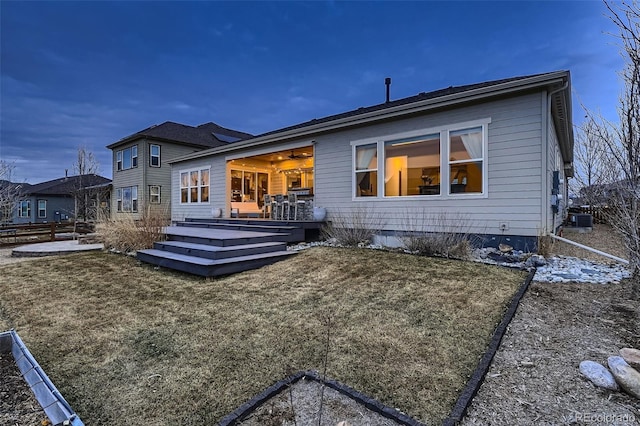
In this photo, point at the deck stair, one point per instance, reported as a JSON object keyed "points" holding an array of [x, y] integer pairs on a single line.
{"points": [[211, 248]]}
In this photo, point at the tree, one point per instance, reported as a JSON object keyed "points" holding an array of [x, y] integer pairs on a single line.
{"points": [[620, 142], [85, 167], [10, 192]]}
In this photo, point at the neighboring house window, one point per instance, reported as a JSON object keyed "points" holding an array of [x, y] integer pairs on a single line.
{"points": [[447, 161], [127, 199], [154, 155], [366, 165], [154, 194], [24, 209], [42, 208], [127, 158], [194, 186]]}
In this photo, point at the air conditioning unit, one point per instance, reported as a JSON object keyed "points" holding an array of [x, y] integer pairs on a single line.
{"points": [[584, 220]]}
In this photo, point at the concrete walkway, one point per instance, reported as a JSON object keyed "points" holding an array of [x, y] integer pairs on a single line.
{"points": [[53, 248]]}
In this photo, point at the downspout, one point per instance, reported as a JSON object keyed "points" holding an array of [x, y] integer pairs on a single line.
{"points": [[549, 95]]}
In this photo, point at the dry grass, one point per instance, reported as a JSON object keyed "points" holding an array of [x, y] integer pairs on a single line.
{"points": [[126, 343], [127, 234], [602, 237]]}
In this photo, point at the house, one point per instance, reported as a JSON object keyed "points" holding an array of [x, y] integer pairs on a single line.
{"points": [[62, 199], [493, 157], [141, 174]]}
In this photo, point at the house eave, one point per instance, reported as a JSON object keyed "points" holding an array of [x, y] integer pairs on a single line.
{"points": [[503, 89]]}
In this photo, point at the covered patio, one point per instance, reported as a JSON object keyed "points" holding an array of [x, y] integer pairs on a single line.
{"points": [[276, 185]]}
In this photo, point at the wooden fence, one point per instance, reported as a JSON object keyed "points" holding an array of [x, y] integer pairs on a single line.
{"points": [[38, 232], [599, 213]]}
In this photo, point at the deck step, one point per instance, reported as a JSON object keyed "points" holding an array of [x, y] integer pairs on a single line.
{"points": [[296, 231], [218, 252], [223, 237], [210, 267]]}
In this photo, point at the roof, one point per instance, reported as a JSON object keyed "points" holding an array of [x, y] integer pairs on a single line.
{"points": [[557, 83], [65, 185], [207, 135]]}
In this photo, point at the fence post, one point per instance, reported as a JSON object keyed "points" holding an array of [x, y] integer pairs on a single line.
{"points": [[53, 231]]}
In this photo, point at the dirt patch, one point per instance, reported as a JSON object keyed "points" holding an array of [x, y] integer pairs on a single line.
{"points": [[18, 406], [601, 237], [534, 378], [7, 259]]}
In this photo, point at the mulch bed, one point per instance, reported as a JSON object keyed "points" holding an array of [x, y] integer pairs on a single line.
{"points": [[18, 405]]}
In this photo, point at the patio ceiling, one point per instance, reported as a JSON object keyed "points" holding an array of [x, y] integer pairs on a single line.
{"points": [[288, 154]]}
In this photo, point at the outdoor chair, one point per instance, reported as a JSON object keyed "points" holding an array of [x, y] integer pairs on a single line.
{"points": [[295, 203]]}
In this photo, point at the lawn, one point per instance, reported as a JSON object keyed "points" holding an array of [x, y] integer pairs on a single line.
{"points": [[128, 344]]}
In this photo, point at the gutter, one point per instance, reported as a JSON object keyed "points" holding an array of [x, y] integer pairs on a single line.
{"points": [[387, 113]]}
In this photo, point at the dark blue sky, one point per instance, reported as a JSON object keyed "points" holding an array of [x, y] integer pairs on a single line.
{"points": [[90, 73]]}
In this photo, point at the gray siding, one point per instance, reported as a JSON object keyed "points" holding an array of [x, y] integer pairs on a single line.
{"points": [[516, 163], [144, 175]]}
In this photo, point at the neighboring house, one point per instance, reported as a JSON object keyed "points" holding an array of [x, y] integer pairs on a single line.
{"points": [[141, 175], [60, 199], [493, 157]]}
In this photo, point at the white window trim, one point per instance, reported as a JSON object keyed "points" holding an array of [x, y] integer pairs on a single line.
{"points": [[28, 215], [159, 194], [45, 209], [199, 170], [151, 156], [444, 162], [120, 158]]}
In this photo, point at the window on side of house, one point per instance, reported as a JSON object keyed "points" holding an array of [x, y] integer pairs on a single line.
{"points": [[366, 169], [24, 208], [127, 158], [154, 155], [127, 199], [154, 194], [412, 166], [466, 160], [194, 186], [42, 209], [119, 199], [448, 161]]}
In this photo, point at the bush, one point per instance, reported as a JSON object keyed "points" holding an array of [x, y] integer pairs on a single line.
{"points": [[437, 234], [127, 234], [353, 227]]}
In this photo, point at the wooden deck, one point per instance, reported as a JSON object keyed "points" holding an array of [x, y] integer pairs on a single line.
{"points": [[214, 247]]}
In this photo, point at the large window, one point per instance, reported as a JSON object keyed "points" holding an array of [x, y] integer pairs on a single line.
{"points": [[24, 208], [194, 186], [412, 166], [127, 158], [448, 161], [154, 155], [42, 209], [127, 199], [248, 186]]}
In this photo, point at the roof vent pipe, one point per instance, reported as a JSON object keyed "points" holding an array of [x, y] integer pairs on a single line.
{"points": [[387, 82]]}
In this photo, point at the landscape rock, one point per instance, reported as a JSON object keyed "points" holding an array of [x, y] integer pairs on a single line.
{"points": [[626, 376], [598, 375], [505, 248], [535, 260], [631, 356]]}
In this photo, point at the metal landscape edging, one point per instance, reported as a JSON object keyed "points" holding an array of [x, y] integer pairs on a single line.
{"points": [[54, 405], [474, 383], [374, 405]]}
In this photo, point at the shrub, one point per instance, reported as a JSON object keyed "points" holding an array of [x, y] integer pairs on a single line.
{"points": [[127, 234], [353, 227], [437, 234]]}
